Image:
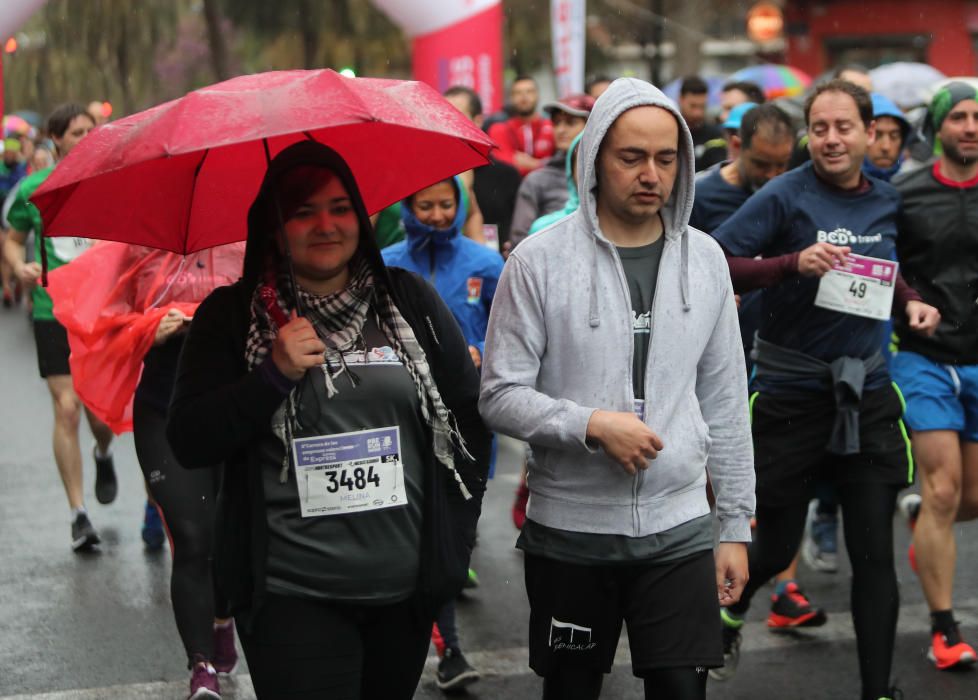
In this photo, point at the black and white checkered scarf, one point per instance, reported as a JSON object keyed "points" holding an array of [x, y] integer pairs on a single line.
{"points": [[338, 319]]}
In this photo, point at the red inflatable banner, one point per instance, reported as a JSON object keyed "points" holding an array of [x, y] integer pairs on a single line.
{"points": [[455, 42]]}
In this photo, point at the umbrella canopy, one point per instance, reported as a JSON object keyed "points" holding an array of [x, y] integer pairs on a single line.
{"points": [[181, 176], [775, 80], [906, 83], [14, 126]]}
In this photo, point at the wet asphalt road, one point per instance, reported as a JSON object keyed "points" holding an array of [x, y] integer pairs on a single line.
{"points": [[99, 626]]}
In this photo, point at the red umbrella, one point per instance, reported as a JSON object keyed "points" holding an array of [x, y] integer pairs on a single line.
{"points": [[180, 176]]}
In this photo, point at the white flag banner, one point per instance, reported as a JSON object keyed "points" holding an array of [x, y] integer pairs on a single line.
{"points": [[567, 20], [419, 18], [454, 42]]}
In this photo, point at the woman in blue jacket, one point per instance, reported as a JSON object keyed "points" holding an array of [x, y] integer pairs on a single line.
{"points": [[465, 274]]}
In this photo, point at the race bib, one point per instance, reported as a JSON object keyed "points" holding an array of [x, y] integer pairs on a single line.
{"points": [[862, 287], [349, 472], [491, 233]]}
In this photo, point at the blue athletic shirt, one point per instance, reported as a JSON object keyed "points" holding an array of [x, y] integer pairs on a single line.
{"points": [[797, 210], [715, 200]]}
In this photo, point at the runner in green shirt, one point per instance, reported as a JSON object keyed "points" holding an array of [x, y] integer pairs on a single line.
{"points": [[67, 125]]}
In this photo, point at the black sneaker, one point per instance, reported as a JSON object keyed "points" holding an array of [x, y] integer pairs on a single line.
{"points": [[83, 534], [454, 671], [792, 609], [106, 486], [731, 647]]}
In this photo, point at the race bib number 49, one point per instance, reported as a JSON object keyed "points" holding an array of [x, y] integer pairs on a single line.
{"points": [[863, 286], [349, 472]]}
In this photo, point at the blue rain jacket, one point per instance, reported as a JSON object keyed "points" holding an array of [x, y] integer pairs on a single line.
{"points": [[464, 273]]}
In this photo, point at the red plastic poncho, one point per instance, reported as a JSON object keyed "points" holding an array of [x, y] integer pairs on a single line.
{"points": [[111, 300]]}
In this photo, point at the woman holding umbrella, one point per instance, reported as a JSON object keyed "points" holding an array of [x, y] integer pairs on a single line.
{"points": [[342, 400]]}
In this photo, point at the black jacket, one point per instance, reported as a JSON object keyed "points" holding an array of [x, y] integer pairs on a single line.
{"points": [[220, 410], [937, 247]]}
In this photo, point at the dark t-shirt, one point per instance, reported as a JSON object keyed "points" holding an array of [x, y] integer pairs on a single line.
{"points": [[716, 200], [641, 266], [159, 373], [369, 557], [791, 213]]}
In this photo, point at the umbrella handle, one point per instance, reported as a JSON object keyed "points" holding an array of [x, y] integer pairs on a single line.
{"points": [[287, 252]]}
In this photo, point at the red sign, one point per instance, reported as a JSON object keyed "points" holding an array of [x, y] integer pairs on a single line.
{"points": [[764, 22], [467, 53]]}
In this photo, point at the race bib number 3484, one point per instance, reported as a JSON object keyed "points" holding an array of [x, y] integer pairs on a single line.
{"points": [[349, 472], [862, 287]]}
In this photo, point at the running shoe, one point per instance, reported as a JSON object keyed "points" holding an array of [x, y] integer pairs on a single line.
{"points": [[8, 299], [203, 683], [152, 531], [106, 486], [83, 534], [454, 672], [731, 627], [909, 507], [950, 651], [792, 609], [472, 580], [225, 653], [820, 547], [519, 505]]}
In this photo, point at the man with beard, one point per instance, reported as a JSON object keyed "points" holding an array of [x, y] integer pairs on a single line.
{"points": [[618, 303], [525, 140], [711, 148], [823, 406], [938, 252]]}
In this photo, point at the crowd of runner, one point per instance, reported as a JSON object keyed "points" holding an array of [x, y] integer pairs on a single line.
{"points": [[763, 315]]}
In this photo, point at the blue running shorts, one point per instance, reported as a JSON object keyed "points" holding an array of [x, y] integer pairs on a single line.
{"points": [[939, 397]]}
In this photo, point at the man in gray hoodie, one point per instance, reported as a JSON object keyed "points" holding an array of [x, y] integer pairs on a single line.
{"points": [[613, 349]]}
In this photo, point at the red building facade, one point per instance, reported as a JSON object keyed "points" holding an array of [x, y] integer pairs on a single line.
{"points": [[823, 34]]}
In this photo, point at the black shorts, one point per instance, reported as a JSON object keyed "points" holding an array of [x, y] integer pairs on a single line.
{"points": [[51, 339], [790, 438], [576, 614]]}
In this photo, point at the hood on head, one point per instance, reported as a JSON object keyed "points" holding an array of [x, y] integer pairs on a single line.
{"points": [[419, 234], [883, 106], [622, 95], [263, 217]]}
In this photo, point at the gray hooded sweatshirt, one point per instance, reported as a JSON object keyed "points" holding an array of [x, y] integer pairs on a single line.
{"points": [[560, 347]]}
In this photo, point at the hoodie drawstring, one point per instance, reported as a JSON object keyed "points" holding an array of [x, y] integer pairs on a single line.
{"points": [[684, 271], [593, 319]]}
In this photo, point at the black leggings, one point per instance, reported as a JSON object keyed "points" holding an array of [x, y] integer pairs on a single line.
{"points": [[867, 512], [574, 683], [301, 649], [186, 500]]}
